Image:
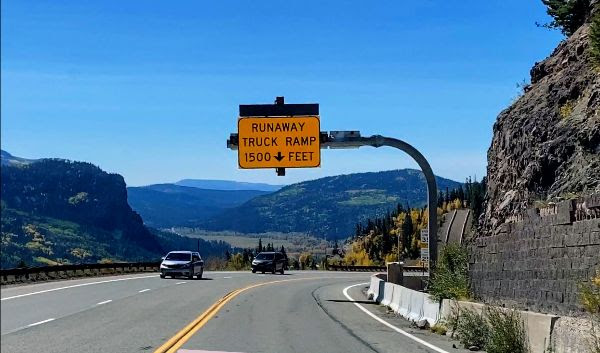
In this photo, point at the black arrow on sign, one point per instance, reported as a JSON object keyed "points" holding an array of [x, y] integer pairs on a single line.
{"points": [[279, 156]]}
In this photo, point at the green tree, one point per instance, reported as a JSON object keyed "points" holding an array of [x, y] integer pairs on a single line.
{"points": [[450, 280], [567, 15]]}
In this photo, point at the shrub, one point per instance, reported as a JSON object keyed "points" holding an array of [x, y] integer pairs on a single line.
{"points": [[439, 328], [450, 279], [566, 110], [590, 298], [567, 15], [507, 331], [472, 329]]}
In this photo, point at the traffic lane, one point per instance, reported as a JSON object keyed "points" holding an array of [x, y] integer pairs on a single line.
{"points": [[309, 317], [27, 288], [135, 322], [19, 312], [35, 303], [279, 318], [20, 289]]}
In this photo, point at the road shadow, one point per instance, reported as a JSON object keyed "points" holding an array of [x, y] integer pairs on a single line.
{"points": [[190, 279], [351, 301], [273, 274]]}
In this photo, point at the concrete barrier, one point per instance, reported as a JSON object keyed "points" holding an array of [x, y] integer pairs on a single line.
{"points": [[431, 310], [408, 303], [416, 305], [539, 326], [373, 291], [396, 296], [388, 291], [404, 308]]}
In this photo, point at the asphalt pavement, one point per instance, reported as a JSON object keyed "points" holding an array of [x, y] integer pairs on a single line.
{"points": [[303, 311]]}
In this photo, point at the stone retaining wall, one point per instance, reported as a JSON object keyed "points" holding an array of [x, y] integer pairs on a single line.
{"points": [[537, 259]]}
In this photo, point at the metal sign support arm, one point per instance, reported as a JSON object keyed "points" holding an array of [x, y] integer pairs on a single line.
{"points": [[352, 139]]}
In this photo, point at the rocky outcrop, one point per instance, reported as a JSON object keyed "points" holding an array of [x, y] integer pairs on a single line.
{"points": [[547, 144]]}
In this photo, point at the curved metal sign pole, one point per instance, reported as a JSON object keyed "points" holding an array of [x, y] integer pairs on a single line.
{"points": [[352, 139], [349, 139]]}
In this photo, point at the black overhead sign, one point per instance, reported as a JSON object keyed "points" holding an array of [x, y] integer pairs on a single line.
{"points": [[279, 109]]}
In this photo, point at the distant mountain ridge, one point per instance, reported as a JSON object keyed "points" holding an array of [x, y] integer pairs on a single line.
{"points": [[170, 205], [211, 184], [328, 207], [8, 159]]}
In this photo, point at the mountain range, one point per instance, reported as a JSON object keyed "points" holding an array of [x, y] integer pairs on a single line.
{"points": [[171, 205], [227, 185]]}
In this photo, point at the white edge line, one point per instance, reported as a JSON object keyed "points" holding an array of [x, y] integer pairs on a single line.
{"points": [[40, 322], [399, 330], [180, 283], [144, 290], [105, 302], [227, 277], [74, 286]]}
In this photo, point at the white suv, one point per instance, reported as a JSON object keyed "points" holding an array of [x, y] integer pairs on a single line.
{"points": [[182, 263]]}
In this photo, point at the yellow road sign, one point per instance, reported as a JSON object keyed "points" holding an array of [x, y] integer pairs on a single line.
{"points": [[291, 142]]}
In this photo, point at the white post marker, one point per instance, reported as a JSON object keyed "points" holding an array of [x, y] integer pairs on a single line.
{"points": [[425, 247]]}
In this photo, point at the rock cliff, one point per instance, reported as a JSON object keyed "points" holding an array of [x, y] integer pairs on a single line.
{"points": [[546, 145]]}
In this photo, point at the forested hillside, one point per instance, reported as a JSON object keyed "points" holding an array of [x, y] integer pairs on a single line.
{"points": [[397, 233], [328, 207], [57, 211]]}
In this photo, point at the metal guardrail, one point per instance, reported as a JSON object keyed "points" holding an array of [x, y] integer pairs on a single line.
{"points": [[26, 272], [356, 268], [373, 268]]}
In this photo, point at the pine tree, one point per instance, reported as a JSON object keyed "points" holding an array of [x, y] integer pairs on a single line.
{"points": [[259, 249], [568, 15]]}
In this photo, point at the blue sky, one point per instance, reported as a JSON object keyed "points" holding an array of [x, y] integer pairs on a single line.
{"points": [[150, 89]]}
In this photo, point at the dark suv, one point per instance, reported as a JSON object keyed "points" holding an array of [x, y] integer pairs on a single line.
{"points": [[269, 261]]}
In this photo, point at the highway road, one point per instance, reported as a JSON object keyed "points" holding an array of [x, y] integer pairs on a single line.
{"points": [[304, 311]]}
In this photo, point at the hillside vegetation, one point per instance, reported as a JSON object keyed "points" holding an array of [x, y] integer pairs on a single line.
{"points": [[57, 211], [328, 207], [396, 235]]}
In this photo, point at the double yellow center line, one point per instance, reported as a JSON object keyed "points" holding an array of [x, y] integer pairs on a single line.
{"points": [[175, 342]]}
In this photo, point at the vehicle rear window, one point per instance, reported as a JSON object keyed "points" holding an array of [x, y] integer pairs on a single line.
{"points": [[264, 257], [178, 256]]}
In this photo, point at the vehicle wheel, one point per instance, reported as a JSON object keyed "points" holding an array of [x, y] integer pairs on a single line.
{"points": [[162, 275], [281, 272], [253, 271], [199, 276], [263, 272]]}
